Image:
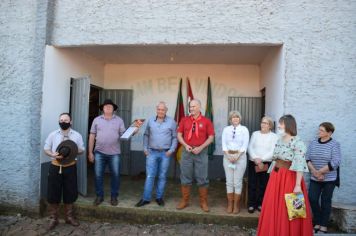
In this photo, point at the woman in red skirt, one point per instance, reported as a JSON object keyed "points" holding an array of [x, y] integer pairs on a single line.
{"points": [[286, 176]]}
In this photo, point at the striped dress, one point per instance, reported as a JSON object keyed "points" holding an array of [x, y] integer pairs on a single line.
{"points": [[324, 153]]}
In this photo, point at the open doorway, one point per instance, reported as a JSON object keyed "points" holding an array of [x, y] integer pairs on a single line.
{"points": [[94, 111], [94, 103]]}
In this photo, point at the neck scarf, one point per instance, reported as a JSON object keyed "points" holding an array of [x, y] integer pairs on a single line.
{"points": [[195, 127]]}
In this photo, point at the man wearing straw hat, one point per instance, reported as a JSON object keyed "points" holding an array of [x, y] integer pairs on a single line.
{"points": [[63, 145]]}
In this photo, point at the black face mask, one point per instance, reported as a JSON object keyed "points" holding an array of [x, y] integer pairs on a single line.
{"points": [[64, 125]]}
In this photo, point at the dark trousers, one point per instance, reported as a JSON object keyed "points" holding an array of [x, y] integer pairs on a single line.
{"points": [[257, 183], [320, 195], [62, 184]]}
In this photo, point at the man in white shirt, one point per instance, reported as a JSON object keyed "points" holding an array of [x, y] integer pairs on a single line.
{"points": [[62, 178]]}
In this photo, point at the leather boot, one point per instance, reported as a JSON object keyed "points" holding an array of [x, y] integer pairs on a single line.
{"points": [[237, 199], [230, 202], [69, 218], [53, 215], [184, 202], [203, 196]]}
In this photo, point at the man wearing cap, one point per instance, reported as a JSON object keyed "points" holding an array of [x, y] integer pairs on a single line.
{"points": [[105, 131], [159, 142], [195, 133], [62, 146]]}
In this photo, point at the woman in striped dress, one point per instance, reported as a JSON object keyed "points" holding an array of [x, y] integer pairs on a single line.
{"points": [[323, 157]]}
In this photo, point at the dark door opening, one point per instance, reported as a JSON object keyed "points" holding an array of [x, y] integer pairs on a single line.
{"points": [[94, 111], [263, 102], [94, 103]]}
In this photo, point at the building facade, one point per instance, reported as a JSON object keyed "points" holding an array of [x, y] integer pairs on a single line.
{"points": [[301, 52]]}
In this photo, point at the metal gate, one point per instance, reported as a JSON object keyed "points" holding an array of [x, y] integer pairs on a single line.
{"points": [[250, 109], [123, 99]]}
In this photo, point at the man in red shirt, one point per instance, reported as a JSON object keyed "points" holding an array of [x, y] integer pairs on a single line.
{"points": [[195, 133]]}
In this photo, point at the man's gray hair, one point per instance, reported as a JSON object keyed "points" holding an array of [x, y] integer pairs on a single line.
{"points": [[162, 103], [195, 100]]}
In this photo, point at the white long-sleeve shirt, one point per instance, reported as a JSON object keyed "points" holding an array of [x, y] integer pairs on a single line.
{"points": [[237, 141], [262, 146]]}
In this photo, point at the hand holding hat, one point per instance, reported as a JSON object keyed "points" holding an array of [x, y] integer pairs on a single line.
{"points": [[67, 152]]}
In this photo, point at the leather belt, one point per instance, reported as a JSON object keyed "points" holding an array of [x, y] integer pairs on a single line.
{"points": [[67, 165], [233, 151], [160, 150], [282, 164]]}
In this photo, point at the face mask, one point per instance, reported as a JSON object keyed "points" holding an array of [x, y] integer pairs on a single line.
{"points": [[281, 132], [64, 125]]}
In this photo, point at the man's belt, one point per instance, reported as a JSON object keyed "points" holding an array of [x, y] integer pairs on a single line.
{"points": [[160, 149], [282, 164], [59, 165]]}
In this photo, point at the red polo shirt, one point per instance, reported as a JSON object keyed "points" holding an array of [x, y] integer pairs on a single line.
{"points": [[205, 129]]}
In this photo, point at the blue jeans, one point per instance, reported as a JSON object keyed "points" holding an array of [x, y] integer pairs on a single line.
{"points": [[157, 164], [322, 191], [101, 160]]}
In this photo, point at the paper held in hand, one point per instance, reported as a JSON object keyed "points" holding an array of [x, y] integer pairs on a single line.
{"points": [[134, 127]]}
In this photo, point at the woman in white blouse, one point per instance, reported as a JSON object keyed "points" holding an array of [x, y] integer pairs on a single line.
{"points": [[260, 151], [235, 139]]}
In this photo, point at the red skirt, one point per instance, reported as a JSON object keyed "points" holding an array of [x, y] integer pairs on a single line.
{"points": [[273, 219]]}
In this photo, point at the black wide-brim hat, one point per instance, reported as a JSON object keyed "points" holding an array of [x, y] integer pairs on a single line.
{"points": [[69, 150], [107, 102]]}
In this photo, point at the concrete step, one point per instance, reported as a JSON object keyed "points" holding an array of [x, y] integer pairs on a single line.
{"points": [[158, 215], [131, 192]]}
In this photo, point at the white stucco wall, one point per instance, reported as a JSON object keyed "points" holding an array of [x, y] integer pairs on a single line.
{"points": [[272, 78], [60, 66], [22, 39], [153, 83]]}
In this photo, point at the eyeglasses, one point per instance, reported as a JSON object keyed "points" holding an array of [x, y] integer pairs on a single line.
{"points": [[265, 123], [233, 133], [193, 128]]}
